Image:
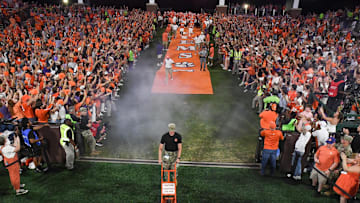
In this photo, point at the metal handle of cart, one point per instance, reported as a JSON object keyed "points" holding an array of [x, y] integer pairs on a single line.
{"points": [[168, 186]]}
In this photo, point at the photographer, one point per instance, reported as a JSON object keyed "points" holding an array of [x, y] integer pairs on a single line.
{"points": [[34, 142]]}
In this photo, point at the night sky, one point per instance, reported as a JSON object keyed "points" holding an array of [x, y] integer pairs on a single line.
{"points": [[196, 5]]}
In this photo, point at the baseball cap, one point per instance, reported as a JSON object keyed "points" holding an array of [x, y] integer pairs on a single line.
{"points": [[347, 138], [83, 109], [172, 126], [331, 140]]}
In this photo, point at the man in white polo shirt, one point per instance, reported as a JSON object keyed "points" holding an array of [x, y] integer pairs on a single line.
{"points": [[168, 68]]}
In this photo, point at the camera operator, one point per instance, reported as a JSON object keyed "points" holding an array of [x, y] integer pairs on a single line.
{"points": [[33, 141]]}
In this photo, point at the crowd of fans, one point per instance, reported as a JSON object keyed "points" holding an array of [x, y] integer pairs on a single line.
{"points": [[68, 63], [306, 76]]}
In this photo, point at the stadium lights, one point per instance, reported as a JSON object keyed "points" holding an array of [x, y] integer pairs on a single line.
{"points": [[246, 6], [65, 1]]}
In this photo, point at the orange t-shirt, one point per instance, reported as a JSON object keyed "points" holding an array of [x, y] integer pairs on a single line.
{"points": [[272, 138], [42, 115], [211, 52], [251, 71], [28, 111], [327, 157], [266, 117], [18, 112], [165, 37]]}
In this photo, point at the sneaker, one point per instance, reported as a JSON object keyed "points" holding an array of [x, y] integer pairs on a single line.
{"points": [[45, 169], [297, 177], [229, 70], [21, 192], [95, 153], [99, 144], [326, 186], [22, 185], [38, 170], [241, 84], [245, 90], [327, 193]]}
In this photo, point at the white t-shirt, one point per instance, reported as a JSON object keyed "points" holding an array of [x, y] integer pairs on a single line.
{"points": [[302, 141], [331, 128], [197, 40], [54, 116], [202, 37], [8, 151], [168, 63], [62, 112], [174, 27], [276, 80], [191, 30], [322, 135]]}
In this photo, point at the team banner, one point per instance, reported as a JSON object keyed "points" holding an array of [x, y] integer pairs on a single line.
{"points": [[188, 79]]}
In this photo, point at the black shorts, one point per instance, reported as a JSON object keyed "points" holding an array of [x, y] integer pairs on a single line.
{"points": [[36, 151]]}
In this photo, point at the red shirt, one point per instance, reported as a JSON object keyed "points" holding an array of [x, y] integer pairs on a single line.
{"points": [[94, 128]]}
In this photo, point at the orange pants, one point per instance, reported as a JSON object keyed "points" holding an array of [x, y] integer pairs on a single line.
{"points": [[14, 172]]}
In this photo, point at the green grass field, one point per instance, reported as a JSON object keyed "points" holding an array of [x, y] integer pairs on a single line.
{"points": [[103, 182]]}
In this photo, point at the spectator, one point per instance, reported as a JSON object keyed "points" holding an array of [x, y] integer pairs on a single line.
{"points": [[349, 180], [298, 154], [9, 153], [86, 132], [271, 143], [266, 117], [326, 160], [345, 144], [355, 144], [321, 133]]}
